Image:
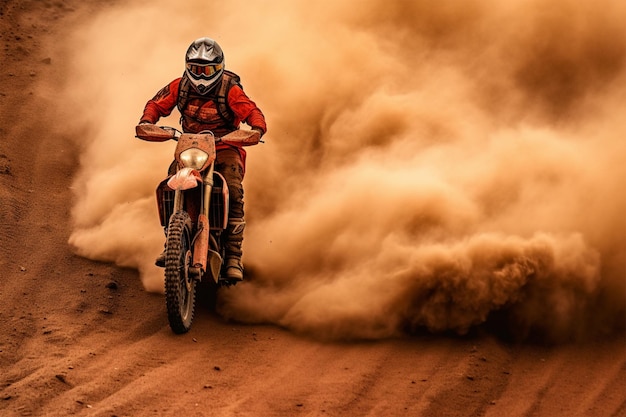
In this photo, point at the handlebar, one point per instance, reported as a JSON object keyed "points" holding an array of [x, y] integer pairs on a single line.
{"points": [[154, 133]]}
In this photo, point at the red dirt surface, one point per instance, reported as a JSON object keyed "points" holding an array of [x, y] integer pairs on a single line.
{"points": [[84, 338]]}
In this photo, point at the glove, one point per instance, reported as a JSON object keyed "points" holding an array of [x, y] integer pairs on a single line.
{"points": [[145, 122]]}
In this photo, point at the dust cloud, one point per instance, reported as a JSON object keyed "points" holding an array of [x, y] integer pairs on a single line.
{"points": [[427, 166]]}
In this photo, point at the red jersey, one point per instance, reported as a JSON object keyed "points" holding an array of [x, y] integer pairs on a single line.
{"points": [[201, 113]]}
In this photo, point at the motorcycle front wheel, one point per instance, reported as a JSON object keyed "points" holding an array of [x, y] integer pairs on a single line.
{"points": [[180, 287]]}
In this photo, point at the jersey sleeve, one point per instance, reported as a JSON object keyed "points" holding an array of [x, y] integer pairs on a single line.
{"points": [[245, 109], [162, 104]]}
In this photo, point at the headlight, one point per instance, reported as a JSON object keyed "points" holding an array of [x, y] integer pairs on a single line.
{"points": [[194, 158]]}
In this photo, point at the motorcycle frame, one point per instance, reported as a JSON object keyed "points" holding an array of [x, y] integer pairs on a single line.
{"points": [[203, 255], [204, 258]]}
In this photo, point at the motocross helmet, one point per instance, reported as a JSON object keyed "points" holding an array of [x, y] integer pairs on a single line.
{"points": [[204, 64]]}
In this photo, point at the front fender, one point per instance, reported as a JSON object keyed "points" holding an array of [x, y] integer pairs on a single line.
{"points": [[185, 179]]}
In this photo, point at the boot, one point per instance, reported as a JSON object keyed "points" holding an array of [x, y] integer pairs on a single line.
{"points": [[234, 267], [160, 260]]}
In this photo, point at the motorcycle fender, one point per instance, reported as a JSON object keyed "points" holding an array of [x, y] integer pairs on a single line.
{"points": [[201, 244], [184, 179]]}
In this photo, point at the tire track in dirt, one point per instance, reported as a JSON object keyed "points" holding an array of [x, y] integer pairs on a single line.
{"points": [[565, 380]]}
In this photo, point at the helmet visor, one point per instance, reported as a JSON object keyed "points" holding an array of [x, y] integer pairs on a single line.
{"points": [[204, 69]]}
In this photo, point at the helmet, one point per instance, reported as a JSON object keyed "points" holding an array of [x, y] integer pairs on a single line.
{"points": [[204, 64]]}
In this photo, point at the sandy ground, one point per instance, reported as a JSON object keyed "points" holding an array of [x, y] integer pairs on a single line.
{"points": [[84, 338]]}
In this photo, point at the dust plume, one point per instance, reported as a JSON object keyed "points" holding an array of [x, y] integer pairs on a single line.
{"points": [[427, 166]]}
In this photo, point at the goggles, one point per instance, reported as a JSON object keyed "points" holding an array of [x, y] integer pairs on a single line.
{"points": [[206, 69]]}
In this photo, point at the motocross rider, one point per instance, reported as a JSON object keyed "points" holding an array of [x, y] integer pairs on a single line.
{"points": [[211, 98]]}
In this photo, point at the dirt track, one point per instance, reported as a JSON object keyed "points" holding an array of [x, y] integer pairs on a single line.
{"points": [[83, 338]]}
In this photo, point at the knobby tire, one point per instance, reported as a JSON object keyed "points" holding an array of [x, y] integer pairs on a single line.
{"points": [[180, 289]]}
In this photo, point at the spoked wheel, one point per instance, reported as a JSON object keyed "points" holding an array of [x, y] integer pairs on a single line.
{"points": [[180, 286]]}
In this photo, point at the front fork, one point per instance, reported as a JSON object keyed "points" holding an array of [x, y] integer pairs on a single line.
{"points": [[201, 240]]}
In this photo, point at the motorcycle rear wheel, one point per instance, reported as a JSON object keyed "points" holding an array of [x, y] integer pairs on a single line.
{"points": [[180, 287]]}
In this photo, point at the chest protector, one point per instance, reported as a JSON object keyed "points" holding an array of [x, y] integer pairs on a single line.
{"points": [[210, 111]]}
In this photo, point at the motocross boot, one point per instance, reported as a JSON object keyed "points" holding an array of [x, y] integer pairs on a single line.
{"points": [[234, 267], [160, 260]]}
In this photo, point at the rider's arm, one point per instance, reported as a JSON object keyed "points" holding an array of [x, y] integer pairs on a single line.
{"points": [[162, 103], [245, 109]]}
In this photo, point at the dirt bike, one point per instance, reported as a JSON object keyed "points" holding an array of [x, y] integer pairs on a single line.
{"points": [[193, 204]]}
